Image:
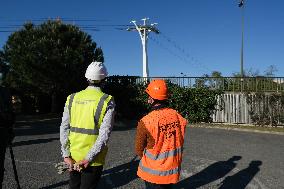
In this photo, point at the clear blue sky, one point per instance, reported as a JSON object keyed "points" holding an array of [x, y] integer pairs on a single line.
{"points": [[197, 36]]}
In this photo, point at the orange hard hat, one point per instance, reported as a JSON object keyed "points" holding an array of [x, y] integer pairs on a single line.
{"points": [[157, 89]]}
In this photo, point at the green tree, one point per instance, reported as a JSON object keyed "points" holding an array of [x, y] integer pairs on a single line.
{"points": [[49, 59], [270, 71], [266, 108], [255, 81], [214, 80], [4, 68]]}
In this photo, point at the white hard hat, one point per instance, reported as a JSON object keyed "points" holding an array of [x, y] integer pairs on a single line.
{"points": [[96, 71]]}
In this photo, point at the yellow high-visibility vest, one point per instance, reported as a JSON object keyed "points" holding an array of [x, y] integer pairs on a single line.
{"points": [[86, 109]]}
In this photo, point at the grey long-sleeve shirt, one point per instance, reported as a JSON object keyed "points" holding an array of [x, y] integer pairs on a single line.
{"points": [[104, 131]]}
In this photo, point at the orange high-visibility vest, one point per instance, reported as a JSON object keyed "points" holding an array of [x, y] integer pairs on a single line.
{"points": [[161, 164]]}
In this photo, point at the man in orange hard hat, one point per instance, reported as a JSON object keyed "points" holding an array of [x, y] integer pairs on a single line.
{"points": [[159, 140]]}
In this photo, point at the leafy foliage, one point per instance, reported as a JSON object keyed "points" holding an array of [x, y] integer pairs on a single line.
{"points": [[49, 59], [266, 108], [129, 97], [196, 105], [4, 68]]}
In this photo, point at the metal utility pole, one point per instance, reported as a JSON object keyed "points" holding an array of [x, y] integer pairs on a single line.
{"points": [[144, 31], [241, 5]]}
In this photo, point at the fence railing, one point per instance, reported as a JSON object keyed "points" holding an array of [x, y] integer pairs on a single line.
{"points": [[232, 84]]}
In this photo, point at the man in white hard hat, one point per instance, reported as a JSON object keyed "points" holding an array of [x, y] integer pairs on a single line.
{"points": [[87, 122]]}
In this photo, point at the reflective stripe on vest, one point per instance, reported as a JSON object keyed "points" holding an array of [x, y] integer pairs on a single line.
{"points": [[164, 154], [159, 173], [70, 104], [99, 109], [84, 131]]}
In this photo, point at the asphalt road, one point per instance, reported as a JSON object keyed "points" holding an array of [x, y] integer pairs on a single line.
{"points": [[213, 158]]}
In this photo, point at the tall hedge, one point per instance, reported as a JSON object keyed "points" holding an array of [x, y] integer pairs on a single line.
{"points": [[196, 105], [129, 96]]}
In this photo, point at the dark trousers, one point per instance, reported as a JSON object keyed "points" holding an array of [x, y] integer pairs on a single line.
{"points": [[150, 185], [87, 179]]}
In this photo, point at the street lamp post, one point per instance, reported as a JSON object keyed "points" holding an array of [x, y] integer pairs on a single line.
{"points": [[241, 5]]}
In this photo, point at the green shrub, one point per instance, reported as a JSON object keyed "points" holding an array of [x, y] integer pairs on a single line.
{"points": [[266, 108], [128, 96], [196, 104]]}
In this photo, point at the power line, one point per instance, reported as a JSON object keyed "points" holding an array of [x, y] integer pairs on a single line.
{"points": [[182, 53], [54, 18], [81, 27], [90, 27], [12, 25], [182, 50], [181, 58]]}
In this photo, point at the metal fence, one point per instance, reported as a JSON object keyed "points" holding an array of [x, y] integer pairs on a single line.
{"points": [[232, 84]]}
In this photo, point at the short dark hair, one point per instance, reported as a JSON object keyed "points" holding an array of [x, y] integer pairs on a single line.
{"points": [[95, 83], [165, 102]]}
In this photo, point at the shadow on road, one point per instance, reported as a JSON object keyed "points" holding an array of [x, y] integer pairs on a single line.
{"points": [[209, 174], [63, 183], [242, 178], [120, 175], [36, 141], [28, 126]]}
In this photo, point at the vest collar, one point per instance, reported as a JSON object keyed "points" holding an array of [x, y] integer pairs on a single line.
{"points": [[160, 106], [93, 87]]}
